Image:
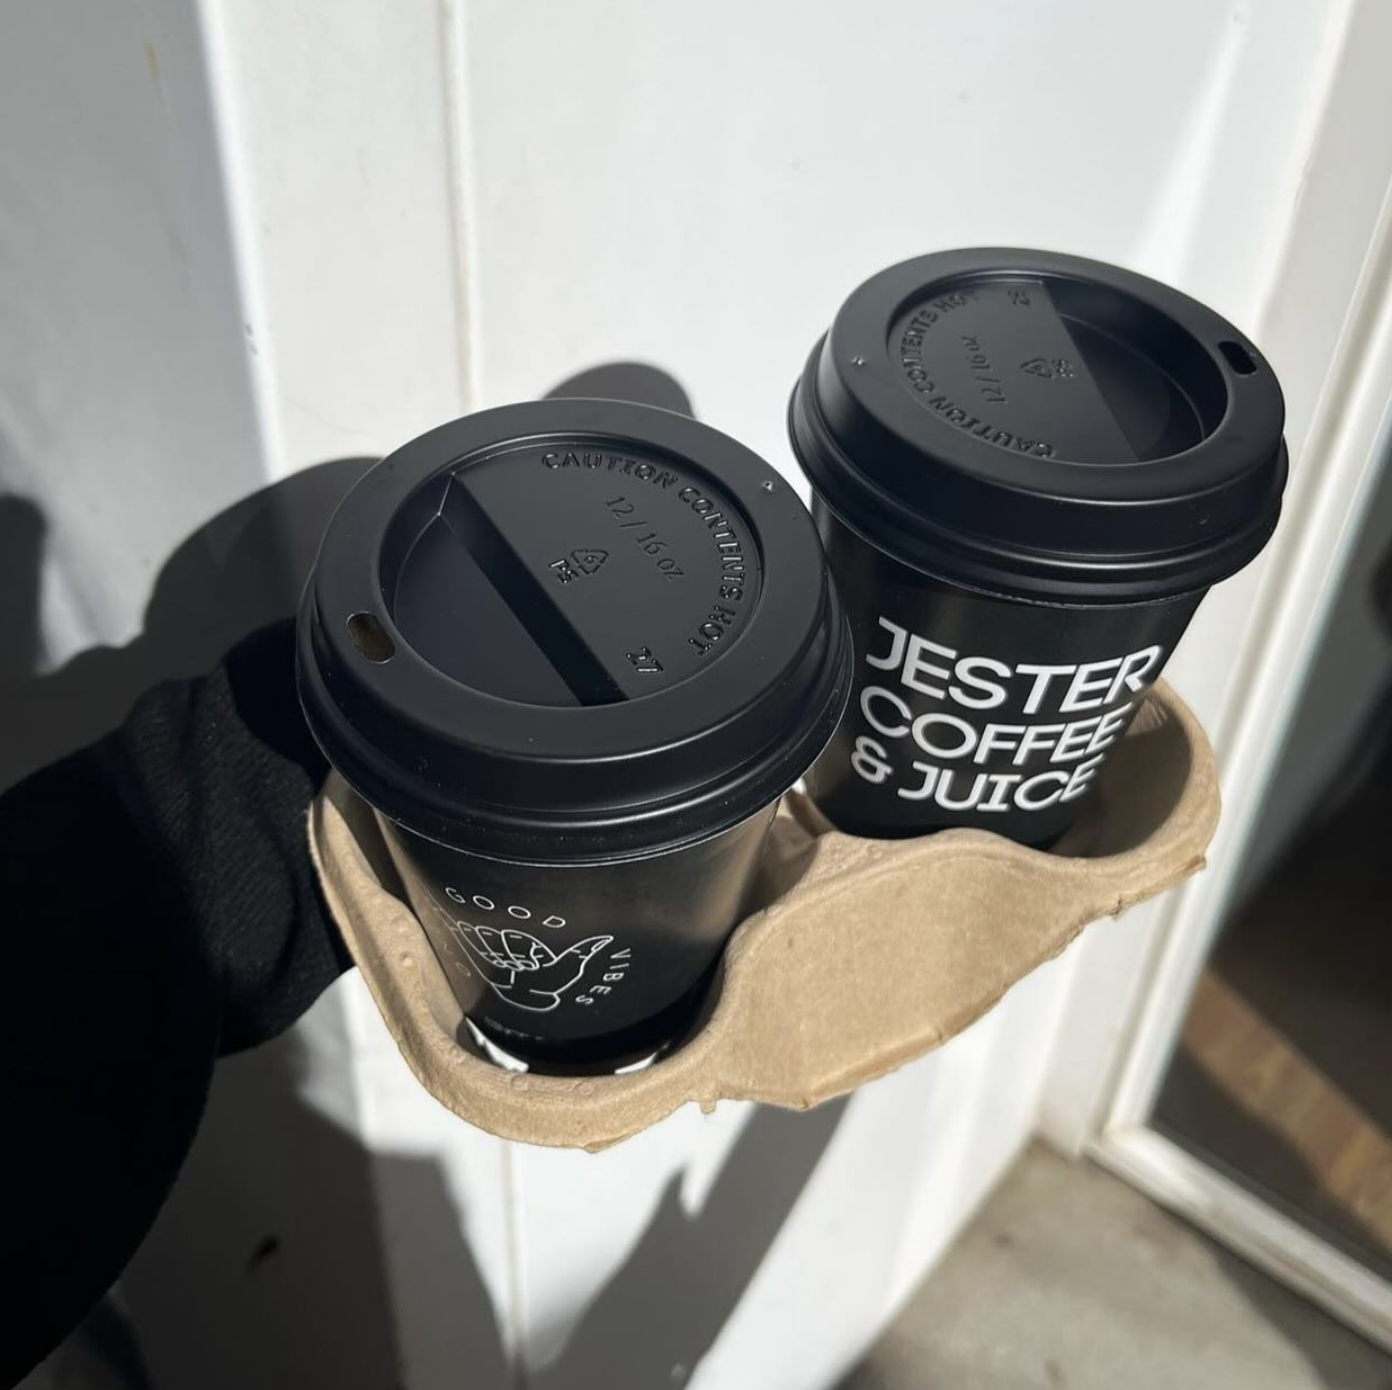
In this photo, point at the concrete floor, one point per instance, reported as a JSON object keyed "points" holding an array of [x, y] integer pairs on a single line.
{"points": [[1070, 1280]]}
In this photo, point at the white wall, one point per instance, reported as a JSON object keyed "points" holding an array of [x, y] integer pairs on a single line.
{"points": [[700, 186], [122, 366], [399, 209]]}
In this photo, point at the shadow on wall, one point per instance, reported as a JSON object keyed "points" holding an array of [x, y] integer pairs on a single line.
{"points": [[284, 1280], [243, 569], [626, 381], [22, 531], [267, 1266], [657, 1318]]}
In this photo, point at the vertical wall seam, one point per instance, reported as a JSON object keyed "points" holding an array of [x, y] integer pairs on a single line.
{"points": [[454, 94], [1330, 63], [514, 1333], [1179, 206], [257, 348]]}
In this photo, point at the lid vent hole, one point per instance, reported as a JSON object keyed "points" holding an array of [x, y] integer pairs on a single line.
{"points": [[370, 638], [1239, 359]]}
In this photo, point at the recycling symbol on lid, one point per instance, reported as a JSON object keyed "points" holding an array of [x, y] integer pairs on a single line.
{"points": [[588, 561], [578, 563]]}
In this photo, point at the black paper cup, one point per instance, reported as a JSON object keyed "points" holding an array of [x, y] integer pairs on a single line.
{"points": [[573, 652], [1027, 470]]}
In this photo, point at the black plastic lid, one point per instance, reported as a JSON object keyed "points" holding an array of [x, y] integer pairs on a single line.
{"points": [[572, 631], [1043, 426]]}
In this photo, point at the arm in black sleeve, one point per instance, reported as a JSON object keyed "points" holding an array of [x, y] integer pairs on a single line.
{"points": [[159, 908]]}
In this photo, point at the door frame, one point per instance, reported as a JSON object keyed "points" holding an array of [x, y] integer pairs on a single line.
{"points": [[1129, 988], [1123, 1139]]}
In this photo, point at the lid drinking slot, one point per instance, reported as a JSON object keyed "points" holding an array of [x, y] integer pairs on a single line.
{"points": [[544, 622]]}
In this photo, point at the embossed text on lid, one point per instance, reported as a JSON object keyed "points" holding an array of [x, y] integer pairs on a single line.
{"points": [[599, 575]]}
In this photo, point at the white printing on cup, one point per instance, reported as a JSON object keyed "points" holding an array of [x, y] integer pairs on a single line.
{"points": [[520, 967], [1072, 749]]}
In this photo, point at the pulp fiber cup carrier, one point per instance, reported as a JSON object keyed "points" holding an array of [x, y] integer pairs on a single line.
{"points": [[1027, 470], [573, 652]]}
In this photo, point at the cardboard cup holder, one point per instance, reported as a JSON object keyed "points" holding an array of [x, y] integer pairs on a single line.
{"points": [[866, 955]]}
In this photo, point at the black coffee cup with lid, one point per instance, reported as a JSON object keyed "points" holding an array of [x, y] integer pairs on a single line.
{"points": [[1027, 470], [573, 652]]}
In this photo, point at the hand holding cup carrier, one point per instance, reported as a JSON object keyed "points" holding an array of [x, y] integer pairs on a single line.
{"points": [[573, 652]]}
